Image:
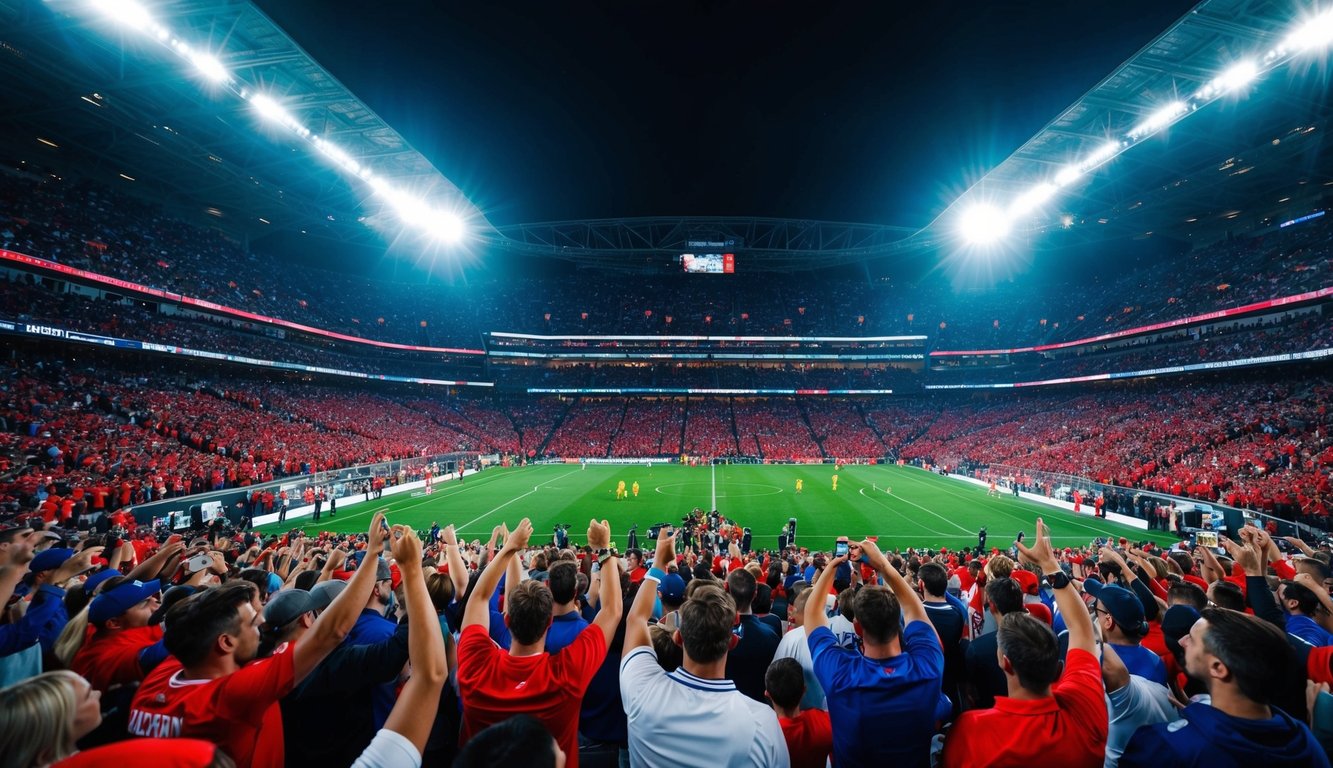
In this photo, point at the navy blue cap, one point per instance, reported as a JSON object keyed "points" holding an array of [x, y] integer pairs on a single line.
{"points": [[120, 598]]}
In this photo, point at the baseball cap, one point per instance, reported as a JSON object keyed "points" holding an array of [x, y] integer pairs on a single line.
{"points": [[1176, 623], [326, 592], [170, 598], [672, 589], [50, 559], [91, 583], [287, 606], [120, 598], [12, 532], [1123, 605]]}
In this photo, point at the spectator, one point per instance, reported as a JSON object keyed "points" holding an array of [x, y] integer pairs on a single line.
{"points": [[748, 662], [1120, 615], [496, 685], [45, 716], [211, 689], [809, 733], [694, 715], [1041, 721], [1238, 658], [984, 677], [883, 703]]}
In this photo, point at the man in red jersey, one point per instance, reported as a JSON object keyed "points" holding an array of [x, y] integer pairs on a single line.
{"points": [[210, 689], [527, 680], [1041, 721]]}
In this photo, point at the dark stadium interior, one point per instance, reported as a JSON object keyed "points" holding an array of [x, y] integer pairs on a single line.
{"points": [[261, 259]]}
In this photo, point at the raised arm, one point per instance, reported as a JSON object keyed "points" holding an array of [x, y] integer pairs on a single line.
{"points": [[457, 568], [165, 556], [332, 626], [912, 607], [413, 715], [479, 604], [814, 605], [636, 624], [1071, 606], [612, 602]]}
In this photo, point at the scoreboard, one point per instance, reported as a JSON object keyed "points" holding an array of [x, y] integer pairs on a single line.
{"points": [[709, 263]]}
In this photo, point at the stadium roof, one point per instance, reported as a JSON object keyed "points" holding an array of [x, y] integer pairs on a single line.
{"points": [[1244, 161], [99, 95], [129, 109]]}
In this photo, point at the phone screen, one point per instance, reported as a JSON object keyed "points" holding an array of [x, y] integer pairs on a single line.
{"points": [[840, 550]]}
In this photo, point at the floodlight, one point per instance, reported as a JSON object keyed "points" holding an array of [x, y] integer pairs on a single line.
{"points": [[209, 66], [1032, 199], [1068, 175], [1100, 155], [1160, 119], [127, 12], [447, 227], [1237, 76], [1315, 32], [272, 110], [983, 224]]}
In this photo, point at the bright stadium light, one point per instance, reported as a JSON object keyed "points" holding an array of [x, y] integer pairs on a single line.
{"points": [[126, 12], [447, 227], [1068, 175], [209, 66], [1314, 33], [1032, 199], [983, 224], [1160, 119], [1237, 76]]}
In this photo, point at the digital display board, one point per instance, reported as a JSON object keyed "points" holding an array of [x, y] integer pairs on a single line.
{"points": [[709, 263]]}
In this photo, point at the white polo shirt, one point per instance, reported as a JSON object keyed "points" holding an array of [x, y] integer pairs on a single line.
{"points": [[679, 719]]}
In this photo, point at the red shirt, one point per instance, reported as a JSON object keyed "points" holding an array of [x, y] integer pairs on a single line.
{"points": [[111, 656], [1067, 729], [548, 686], [809, 738], [238, 712]]}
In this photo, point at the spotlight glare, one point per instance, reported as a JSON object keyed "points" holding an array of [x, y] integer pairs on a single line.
{"points": [[1160, 119], [983, 224], [209, 67], [1100, 155], [447, 227], [1032, 199], [127, 12], [1237, 76], [1068, 175], [1314, 33]]}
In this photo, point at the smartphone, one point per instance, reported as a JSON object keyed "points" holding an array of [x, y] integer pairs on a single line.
{"points": [[198, 563], [840, 550]]}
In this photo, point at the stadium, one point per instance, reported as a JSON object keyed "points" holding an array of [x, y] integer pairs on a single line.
{"points": [[783, 285]]}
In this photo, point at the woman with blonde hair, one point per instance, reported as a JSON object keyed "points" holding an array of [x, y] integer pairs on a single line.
{"points": [[44, 717]]}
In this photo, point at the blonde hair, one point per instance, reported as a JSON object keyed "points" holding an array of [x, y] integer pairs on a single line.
{"points": [[999, 567], [38, 726], [71, 637]]}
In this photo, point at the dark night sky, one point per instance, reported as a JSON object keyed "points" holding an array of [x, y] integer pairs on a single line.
{"points": [[876, 112]]}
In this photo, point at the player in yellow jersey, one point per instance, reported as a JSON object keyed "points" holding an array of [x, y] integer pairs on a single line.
{"points": [[799, 484], [835, 482], [635, 489], [620, 490]]}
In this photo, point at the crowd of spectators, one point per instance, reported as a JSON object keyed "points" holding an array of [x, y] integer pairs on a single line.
{"points": [[397, 647], [89, 227]]}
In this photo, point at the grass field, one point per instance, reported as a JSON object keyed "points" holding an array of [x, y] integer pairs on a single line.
{"points": [[922, 509]]}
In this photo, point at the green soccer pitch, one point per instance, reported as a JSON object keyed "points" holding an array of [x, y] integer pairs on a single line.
{"points": [[922, 509]]}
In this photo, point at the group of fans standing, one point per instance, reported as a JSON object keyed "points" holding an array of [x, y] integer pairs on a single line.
{"points": [[397, 649]]}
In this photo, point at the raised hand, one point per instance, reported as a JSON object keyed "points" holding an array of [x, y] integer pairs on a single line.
{"points": [[375, 536], [599, 534], [76, 565], [1041, 551], [518, 539], [405, 546]]}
